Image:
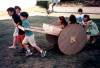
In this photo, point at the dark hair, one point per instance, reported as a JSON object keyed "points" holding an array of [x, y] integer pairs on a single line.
{"points": [[80, 10], [88, 17], [72, 19], [24, 14], [63, 20], [11, 9], [17, 7]]}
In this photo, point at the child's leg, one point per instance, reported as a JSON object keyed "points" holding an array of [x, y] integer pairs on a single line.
{"points": [[33, 44], [21, 37], [25, 43], [14, 42], [88, 37], [28, 51], [93, 39], [15, 34]]}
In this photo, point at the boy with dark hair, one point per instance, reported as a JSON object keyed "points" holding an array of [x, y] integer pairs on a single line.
{"points": [[18, 10], [29, 35], [80, 10], [80, 16], [18, 33], [91, 29]]}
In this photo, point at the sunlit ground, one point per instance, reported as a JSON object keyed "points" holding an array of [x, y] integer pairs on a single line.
{"points": [[36, 10], [33, 10]]}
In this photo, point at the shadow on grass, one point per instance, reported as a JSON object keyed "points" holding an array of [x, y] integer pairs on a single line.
{"points": [[88, 58]]}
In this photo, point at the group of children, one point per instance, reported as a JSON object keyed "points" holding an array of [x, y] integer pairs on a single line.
{"points": [[90, 26], [87, 23], [21, 35], [25, 37]]}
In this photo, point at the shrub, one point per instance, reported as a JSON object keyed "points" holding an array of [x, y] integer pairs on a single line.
{"points": [[43, 4]]}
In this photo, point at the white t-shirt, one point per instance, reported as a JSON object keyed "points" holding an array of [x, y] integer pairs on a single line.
{"points": [[80, 18]]}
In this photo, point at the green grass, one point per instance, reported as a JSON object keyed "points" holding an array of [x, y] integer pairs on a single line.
{"points": [[9, 58]]}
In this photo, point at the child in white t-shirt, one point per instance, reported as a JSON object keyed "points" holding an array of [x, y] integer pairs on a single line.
{"points": [[80, 16]]}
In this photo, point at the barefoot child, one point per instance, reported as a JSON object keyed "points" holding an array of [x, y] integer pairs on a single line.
{"points": [[29, 35], [18, 34]]}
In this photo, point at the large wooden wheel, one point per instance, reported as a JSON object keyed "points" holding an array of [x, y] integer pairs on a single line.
{"points": [[72, 39]]}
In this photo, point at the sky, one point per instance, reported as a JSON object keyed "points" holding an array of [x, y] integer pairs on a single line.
{"points": [[4, 4]]}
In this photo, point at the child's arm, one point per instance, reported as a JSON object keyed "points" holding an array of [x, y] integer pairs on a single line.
{"points": [[88, 24], [24, 29], [20, 27]]}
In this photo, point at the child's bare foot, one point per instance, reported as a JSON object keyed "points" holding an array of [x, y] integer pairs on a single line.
{"points": [[12, 47]]}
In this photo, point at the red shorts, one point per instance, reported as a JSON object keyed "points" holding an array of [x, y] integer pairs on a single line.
{"points": [[19, 38]]}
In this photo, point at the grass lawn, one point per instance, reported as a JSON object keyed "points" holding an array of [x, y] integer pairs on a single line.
{"points": [[9, 58]]}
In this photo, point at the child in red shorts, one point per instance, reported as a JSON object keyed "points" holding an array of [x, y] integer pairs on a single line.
{"points": [[18, 35]]}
